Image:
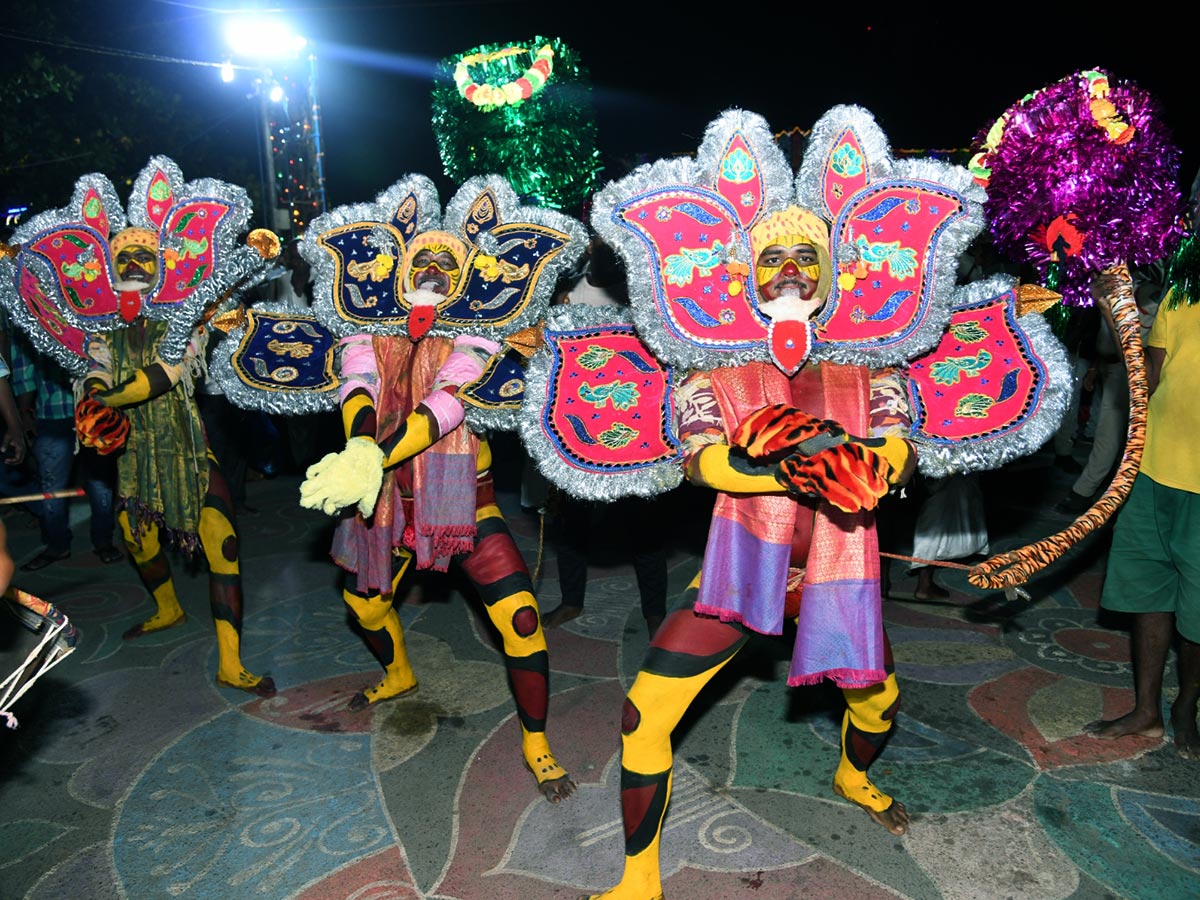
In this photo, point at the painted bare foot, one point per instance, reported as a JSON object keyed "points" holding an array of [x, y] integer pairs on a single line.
{"points": [[1187, 737], [553, 781], [894, 817], [619, 893], [153, 624], [561, 616], [381, 693], [251, 684], [1132, 723]]}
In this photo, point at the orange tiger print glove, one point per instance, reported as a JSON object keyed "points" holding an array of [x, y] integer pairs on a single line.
{"points": [[850, 476], [100, 426], [780, 428]]}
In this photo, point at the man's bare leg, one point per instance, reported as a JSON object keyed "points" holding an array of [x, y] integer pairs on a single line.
{"points": [[1152, 633], [1183, 710]]}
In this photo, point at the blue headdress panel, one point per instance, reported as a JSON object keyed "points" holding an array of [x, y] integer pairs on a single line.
{"points": [[357, 254]]}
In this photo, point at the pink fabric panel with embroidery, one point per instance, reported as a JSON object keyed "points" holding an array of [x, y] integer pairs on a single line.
{"points": [[700, 302], [982, 380], [610, 400], [79, 257], [894, 226], [187, 250], [48, 316]]}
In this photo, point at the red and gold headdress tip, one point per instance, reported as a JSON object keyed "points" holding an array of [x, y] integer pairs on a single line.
{"points": [[1035, 298], [7, 251], [265, 242]]}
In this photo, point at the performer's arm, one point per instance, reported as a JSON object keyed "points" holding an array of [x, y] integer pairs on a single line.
{"points": [[146, 383], [708, 459]]}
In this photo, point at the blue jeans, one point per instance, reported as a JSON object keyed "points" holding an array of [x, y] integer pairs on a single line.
{"points": [[54, 451]]}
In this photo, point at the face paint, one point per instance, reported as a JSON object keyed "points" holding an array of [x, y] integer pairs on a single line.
{"points": [[137, 263], [788, 270], [436, 264]]}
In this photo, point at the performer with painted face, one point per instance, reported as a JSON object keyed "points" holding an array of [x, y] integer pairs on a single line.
{"points": [[427, 310], [815, 376], [125, 321]]}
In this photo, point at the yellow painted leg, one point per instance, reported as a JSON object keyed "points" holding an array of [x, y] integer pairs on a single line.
{"points": [[152, 565], [376, 615], [865, 726], [655, 704], [219, 542]]}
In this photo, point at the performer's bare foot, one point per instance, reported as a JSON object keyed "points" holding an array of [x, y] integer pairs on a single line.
{"points": [[1187, 737], [553, 781], [251, 684], [1132, 723], [153, 624], [381, 693], [561, 616], [894, 817]]}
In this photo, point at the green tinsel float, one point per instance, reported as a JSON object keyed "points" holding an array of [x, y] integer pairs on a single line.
{"points": [[1183, 272], [522, 111]]}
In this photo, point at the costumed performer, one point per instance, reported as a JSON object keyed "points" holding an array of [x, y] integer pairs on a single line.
{"points": [[408, 446]]}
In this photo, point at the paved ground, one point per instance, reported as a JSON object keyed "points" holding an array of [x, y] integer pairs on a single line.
{"points": [[133, 775]]}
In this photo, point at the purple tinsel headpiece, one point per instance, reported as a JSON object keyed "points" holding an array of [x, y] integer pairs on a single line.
{"points": [[1080, 176]]}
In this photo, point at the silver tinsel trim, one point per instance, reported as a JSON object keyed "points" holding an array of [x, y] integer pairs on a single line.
{"points": [[382, 210], [810, 179], [282, 402], [647, 482], [938, 459], [699, 174], [43, 342]]}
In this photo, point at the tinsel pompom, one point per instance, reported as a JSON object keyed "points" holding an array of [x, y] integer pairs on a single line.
{"points": [[544, 144], [1080, 176]]}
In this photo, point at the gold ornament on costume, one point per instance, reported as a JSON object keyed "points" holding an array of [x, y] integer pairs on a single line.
{"points": [[265, 242]]}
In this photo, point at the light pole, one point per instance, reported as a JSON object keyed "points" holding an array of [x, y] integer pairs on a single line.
{"points": [[265, 39]]}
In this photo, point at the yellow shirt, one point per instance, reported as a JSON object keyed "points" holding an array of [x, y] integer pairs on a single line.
{"points": [[1173, 416]]}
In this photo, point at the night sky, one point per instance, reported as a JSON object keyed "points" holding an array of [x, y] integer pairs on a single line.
{"points": [[660, 72]]}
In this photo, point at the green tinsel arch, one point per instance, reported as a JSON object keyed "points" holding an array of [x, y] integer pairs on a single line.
{"points": [[545, 145]]}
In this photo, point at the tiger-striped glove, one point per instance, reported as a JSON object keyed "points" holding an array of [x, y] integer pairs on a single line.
{"points": [[851, 476], [779, 428], [101, 427]]}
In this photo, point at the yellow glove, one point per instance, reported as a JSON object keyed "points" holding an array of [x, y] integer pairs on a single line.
{"points": [[341, 479]]}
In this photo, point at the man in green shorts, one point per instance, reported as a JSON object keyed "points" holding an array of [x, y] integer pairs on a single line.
{"points": [[1154, 563]]}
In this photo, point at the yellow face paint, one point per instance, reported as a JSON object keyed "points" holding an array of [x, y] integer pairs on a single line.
{"points": [[435, 263]]}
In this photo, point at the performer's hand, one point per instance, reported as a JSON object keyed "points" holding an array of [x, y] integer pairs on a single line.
{"points": [[353, 476], [851, 476], [780, 428], [100, 426]]}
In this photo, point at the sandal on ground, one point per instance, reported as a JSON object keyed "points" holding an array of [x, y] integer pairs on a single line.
{"points": [[109, 554], [44, 559]]}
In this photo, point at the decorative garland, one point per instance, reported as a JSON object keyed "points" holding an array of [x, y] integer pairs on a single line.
{"points": [[533, 126], [511, 93]]}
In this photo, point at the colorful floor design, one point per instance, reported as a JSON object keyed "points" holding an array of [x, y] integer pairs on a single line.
{"points": [[133, 775]]}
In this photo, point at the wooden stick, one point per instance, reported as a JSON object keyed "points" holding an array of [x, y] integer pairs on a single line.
{"points": [[53, 495]]}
